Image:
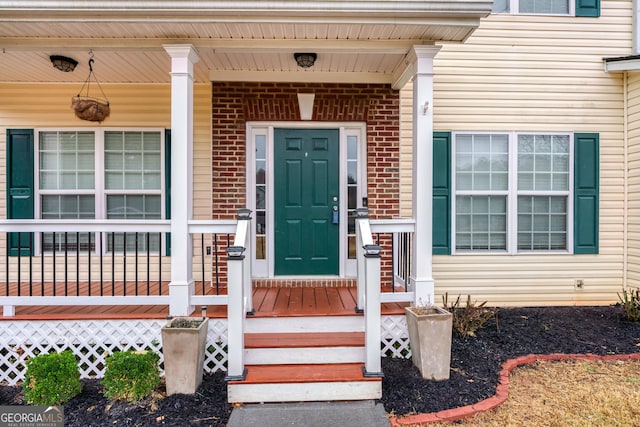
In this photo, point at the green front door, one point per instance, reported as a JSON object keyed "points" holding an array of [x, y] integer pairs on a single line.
{"points": [[306, 181]]}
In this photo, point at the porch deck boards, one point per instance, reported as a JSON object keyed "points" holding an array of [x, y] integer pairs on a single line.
{"points": [[268, 302]]}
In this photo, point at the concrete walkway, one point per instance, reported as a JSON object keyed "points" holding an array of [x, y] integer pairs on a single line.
{"points": [[310, 414]]}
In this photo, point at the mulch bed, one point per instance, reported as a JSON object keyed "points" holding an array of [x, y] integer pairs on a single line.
{"points": [[474, 370]]}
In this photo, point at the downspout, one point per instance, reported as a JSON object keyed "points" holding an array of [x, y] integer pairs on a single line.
{"points": [[625, 214]]}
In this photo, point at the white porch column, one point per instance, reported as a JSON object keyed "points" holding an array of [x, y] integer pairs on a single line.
{"points": [[181, 287], [422, 187]]}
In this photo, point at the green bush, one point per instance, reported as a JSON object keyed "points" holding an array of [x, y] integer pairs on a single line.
{"points": [[467, 320], [630, 301], [130, 376], [51, 379]]}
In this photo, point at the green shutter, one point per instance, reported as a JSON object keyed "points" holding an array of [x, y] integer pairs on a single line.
{"points": [[589, 8], [20, 195], [167, 184], [441, 193], [586, 193]]}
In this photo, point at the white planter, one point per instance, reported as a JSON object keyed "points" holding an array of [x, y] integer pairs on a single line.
{"points": [[183, 350], [430, 337]]}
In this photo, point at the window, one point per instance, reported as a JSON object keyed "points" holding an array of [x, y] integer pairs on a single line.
{"points": [[584, 8], [548, 7], [103, 174], [512, 192]]}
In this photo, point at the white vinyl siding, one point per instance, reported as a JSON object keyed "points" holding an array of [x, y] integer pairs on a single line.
{"points": [[40, 106], [633, 198], [531, 73]]}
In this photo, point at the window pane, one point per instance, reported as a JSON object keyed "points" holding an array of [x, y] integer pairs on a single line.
{"points": [[133, 207], [544, 6], [133, 161], [500, 6], [543, 162], [66, 161], [482, 162], [481, 223], [542, 223], [261, 147]]}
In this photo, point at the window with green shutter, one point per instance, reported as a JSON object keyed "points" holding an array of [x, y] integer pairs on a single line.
{"points": [[512, 192], [87, 174], [586, 8]]}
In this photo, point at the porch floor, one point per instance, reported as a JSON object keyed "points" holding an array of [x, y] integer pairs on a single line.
{"points": [[267, 301]]}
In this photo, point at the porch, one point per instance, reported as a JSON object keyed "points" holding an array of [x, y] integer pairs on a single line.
{"points": [[117, 301]]}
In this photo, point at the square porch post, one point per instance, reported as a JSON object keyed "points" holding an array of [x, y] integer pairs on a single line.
{"points": [[181, 287], [421, 57]]}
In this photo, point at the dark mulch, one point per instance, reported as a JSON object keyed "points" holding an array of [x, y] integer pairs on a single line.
{"points": [[475, 365]]}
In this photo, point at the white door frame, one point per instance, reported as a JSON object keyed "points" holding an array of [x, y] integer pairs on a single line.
{"points": [[265, 267]]}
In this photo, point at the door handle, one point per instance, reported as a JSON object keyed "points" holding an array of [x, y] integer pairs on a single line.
{"points": [[335, 217]]}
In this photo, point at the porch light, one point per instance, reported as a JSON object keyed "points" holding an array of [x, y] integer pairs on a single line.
{"points": [[372, 251], [305, 60], [235, 251], [362, 213], [244, 214], [63, 63]]}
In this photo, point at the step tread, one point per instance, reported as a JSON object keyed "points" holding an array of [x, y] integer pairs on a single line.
{"points": [[300, 340], [281, 374]]}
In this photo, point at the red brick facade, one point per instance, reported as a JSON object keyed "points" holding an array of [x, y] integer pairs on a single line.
{"points": [[235, 103]]}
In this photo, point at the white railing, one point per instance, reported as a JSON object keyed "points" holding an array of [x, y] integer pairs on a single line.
{"points": [[368, 264], [33, 269], [402, 231], [239, 293]]}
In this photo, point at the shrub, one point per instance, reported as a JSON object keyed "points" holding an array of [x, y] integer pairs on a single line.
{"points": [[51, 379], [630, 301], [467, 320], [130, 376]]}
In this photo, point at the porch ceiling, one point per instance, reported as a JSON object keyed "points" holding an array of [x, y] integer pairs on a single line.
{"points": [[359, 41]]}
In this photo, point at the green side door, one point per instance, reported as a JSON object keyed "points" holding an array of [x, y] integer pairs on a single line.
{"points": [[306, 181]]}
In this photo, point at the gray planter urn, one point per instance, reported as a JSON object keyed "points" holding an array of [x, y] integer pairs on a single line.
{"points": [[184, 342], [430, 338]]}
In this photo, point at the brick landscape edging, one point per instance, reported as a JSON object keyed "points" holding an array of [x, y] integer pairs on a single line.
{"points": [[502, 389]]}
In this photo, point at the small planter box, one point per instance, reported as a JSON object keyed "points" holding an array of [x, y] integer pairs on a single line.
{"points": [[430, 337], [183, 345]]}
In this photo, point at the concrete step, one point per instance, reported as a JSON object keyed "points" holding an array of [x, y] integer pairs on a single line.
{"points": [[304, 383]]}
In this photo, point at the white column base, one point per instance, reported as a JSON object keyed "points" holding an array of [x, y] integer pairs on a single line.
{"points": [[424, 291], [180, 298]]}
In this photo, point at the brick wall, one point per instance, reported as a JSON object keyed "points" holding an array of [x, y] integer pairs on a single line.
{"points": [[235, 103]]}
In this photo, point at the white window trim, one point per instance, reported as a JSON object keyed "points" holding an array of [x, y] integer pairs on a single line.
{"points": [[514, 9], [265, 268], [512, 195], [99, 192]]}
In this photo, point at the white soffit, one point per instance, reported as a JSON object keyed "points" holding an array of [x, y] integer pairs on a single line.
{"points": [[356, 41]]}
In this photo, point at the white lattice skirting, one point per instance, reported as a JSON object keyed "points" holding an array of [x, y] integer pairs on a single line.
{"points": [[92, 340]]}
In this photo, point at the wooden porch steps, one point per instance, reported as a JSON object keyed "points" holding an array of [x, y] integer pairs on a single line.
{"points": [[315, 358], [297, 340], [304, 348]]}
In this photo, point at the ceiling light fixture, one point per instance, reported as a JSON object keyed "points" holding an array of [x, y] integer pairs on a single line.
{"points": [[63, 63], [305, 60]]}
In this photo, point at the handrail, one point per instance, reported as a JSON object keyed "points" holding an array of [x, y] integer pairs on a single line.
{"points": [[368, 264], [394, 225], [83, 225], [239, 295]]}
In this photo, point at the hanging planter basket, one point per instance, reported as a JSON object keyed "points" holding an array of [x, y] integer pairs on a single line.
{"points": [[90, 108]]}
